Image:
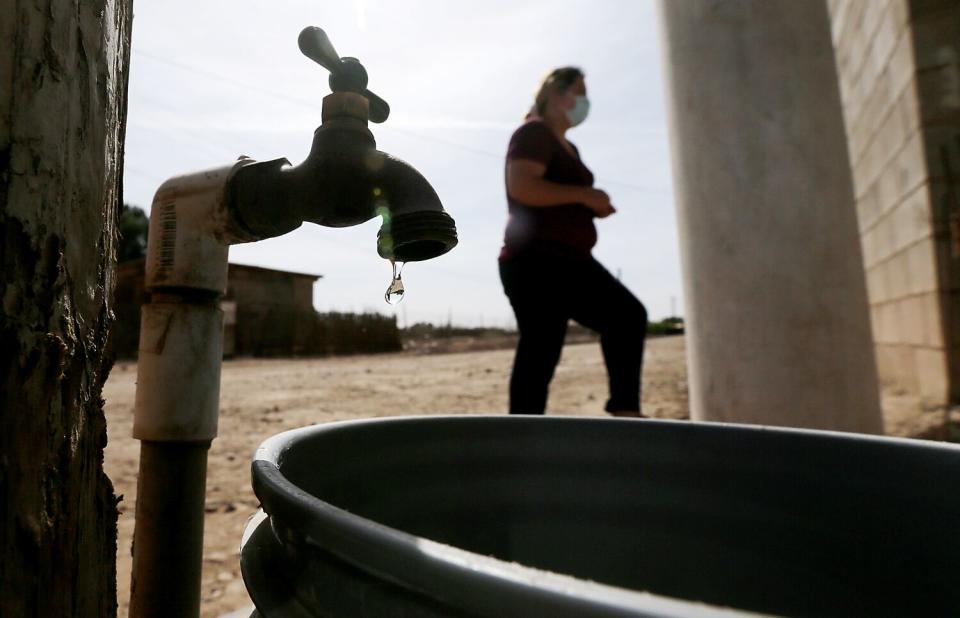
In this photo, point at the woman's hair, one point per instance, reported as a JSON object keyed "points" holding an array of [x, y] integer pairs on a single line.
{"points": [[557, 80]]}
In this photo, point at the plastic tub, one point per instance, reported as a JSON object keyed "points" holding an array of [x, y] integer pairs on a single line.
{"points": [[553, 516]]}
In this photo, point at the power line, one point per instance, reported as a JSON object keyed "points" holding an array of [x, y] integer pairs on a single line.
{"points": [[187, 136], [157, 103], [313, 105], [235, 82], [438, 140], [139, 172]]}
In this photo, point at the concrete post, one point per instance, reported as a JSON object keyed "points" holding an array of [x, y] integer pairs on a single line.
{"points": [[777, 314]]}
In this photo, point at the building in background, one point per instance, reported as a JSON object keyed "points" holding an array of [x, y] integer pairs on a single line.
{"points": [[271, 311], [266, 312], [898, 63]]}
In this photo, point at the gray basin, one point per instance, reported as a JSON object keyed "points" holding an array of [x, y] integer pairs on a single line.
{"points": [[553, 516]]}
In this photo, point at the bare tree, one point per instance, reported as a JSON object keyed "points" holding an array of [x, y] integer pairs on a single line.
{"points": [[63, 82]]}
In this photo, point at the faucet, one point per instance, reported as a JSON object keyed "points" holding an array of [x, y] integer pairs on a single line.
{"points": [[345, 180], [194, 219]]}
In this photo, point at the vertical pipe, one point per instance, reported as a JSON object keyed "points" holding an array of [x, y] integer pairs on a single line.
{"points": [[778, 323], [178, 387], [168, 539]]}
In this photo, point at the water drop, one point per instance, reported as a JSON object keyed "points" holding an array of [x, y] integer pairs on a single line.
{"points": [[394, 293]]}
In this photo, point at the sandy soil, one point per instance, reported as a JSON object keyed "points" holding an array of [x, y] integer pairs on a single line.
{"points": [[260, 398]]}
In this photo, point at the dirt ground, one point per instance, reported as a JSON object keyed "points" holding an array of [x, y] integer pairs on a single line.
{"points": [[259, 398]]}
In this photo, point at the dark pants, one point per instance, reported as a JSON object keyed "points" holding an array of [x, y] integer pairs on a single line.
{"points": [[546, 293]]}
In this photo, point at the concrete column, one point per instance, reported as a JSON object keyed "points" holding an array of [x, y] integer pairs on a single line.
{"points": [[777, 315]]}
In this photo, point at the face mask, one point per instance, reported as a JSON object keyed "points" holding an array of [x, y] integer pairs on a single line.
{"points": [[578, 113]]}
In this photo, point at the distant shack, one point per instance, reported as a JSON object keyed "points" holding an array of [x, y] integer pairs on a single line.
{"points": [[266, 312]]}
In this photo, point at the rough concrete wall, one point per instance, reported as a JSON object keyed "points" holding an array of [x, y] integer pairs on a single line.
{"points": [[878, 82], [63, 76]]}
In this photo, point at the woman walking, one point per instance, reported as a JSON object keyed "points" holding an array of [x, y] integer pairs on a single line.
{"points": [[546, 265]]}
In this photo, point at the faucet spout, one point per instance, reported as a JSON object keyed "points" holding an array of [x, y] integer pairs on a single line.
{"points": [[415, 225], [346, 181]]}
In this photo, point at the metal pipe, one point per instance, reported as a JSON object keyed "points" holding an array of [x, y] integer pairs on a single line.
{"points": [[168, 539]]}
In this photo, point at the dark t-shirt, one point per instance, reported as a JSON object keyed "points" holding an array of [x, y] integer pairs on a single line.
{"points": [[563, 230]]}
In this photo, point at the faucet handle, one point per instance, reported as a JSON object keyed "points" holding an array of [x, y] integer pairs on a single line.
{"points": [[379, 109], [346, 74], [316, 45]]}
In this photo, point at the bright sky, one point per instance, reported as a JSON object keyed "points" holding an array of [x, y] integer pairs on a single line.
{"points": [[215, 79]]}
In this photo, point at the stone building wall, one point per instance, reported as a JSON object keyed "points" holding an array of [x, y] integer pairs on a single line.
{"points": [[885, 52], [935, 25]]}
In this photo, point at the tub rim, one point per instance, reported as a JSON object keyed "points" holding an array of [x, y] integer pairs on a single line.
{"points": [[461, 578]]}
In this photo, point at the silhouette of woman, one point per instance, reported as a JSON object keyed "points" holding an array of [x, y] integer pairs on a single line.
{"points": [[546, 265]]}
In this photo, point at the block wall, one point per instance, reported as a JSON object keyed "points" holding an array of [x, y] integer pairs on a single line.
{"points": [[884, 51]]}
